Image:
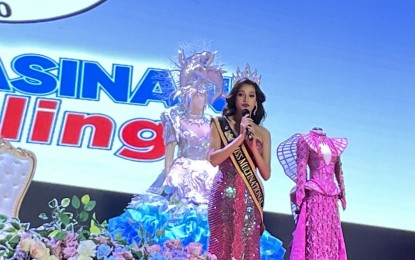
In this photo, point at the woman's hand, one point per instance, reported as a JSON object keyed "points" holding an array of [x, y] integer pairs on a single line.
{"points": [[246, 123], [251, 142]]}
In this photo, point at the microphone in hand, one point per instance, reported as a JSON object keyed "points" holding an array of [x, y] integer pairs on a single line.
{"points": [[244, 113]]}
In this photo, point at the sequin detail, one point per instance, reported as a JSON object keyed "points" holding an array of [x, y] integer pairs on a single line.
{"points": [[234, 220]]}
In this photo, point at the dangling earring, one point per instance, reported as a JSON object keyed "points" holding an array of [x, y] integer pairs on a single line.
{"points": [[254, 111]]}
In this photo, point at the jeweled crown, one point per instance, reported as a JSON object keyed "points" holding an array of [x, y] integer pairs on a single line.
{"points": [[247, 74]]}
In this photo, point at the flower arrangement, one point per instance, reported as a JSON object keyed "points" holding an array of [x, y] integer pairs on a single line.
{"points": [[74, 233]]}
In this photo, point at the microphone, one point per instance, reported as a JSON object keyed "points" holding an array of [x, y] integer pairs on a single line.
{"points": [[244, 113]]}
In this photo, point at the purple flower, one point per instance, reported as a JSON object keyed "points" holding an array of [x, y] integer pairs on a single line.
{"points": [[21, 255]]}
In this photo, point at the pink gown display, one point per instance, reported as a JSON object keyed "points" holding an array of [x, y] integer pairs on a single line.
{"points": [[234, 220], [318, 234]]}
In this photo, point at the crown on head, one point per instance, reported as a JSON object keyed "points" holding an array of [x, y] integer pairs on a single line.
{"points": [[247, 74]]}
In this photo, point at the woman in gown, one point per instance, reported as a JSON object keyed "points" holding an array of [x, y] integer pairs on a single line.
{"points": [[318, 234], [240, 146]]}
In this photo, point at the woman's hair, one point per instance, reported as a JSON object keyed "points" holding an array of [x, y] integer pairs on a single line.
{"points": [[257, 114]]}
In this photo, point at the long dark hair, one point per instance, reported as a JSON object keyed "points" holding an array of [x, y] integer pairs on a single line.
{"points": [[257, 114]]}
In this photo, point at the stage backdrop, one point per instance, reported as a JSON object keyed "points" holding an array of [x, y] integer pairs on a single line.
{"points": [[83, 83]]}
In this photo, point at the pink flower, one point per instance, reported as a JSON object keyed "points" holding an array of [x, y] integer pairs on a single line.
{"points": [[69, 252], [168, 254], [128, 255], [173, 244], [153, 248], [70, 239], [102, 239], [211, 256], [194, 249], [122, 255], [56, 246]]}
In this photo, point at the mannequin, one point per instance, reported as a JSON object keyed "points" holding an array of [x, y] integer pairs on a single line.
{"points": [[318, 234]]}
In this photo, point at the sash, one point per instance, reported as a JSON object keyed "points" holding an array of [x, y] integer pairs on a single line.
{"points": [[243, 163]]}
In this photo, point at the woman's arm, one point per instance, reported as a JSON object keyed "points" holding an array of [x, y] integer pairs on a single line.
{"points": [[263, 161], [168, 160], [216, 154]]}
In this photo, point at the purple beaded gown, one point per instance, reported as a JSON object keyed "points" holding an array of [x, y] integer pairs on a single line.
{"points": [[191, 174]]}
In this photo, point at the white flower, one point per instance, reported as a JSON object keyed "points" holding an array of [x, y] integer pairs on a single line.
{"points": [[26, 243], [52, 257], [86, 249], [85, 258]]}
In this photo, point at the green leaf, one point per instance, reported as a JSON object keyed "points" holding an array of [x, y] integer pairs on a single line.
{"points": [[69, 214], [65, 202], [10, 230], [94, 229], [137, 254], [160, 232], [3, 218], [85, 199], [43, 216], [76, 203], [14, 240], [1, 226], [9, 254], [25, 226], [83, 216], [85, 233], [61, 235], [90, 205], [70, 227], [53, 233], [53, 203], [81, 237], [64, 218], [15, 224], [104, 224]]}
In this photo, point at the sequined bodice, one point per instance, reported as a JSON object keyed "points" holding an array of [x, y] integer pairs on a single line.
{"points": [[190, 132], [194, 138], [235, 222], [322, 173], [227, 165], [322, 156]]}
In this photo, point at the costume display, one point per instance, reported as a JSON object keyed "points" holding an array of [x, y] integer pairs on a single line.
{"points": [[318, 234], [191, 174], [175, 206]]}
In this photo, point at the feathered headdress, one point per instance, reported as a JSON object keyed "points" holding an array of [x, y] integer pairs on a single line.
{"points": [[199, 75]]}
